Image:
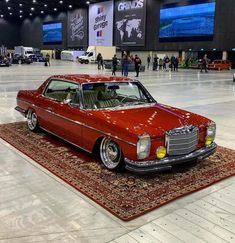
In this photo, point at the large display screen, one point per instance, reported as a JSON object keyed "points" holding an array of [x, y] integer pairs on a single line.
{"points": [[52, 33], [187, 21]]}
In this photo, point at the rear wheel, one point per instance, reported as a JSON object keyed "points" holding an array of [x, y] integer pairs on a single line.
{"points": [[32, 121], [87, 61], [111, 155]]}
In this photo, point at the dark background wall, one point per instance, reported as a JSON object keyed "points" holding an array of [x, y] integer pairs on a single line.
{"points": [[31, 31], [9, 33]]}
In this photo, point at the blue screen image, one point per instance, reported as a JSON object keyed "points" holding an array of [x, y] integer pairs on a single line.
{"points": [[52, 33], [195, 20]]}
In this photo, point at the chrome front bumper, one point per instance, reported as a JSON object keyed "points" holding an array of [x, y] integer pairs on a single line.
{"points": [[22, 111], [169, 162]]}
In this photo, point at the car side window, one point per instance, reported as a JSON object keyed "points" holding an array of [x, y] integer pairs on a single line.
{"points": [[61, 90]]}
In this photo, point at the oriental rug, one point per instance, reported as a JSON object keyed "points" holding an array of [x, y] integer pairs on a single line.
{"points": [[125, 195]]}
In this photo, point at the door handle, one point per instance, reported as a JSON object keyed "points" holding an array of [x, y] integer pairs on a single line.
{"points": [[49, 109]]}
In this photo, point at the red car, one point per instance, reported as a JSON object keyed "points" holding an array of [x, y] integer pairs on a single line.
{"points": [[119, 119], [220, 64]]}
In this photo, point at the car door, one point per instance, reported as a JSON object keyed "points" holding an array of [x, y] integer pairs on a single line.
{"points": [[56, 114]]}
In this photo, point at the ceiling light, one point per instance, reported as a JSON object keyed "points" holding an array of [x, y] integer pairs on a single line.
{"points": [[42, 12], [70, 6], [34, 1], [6, 2], [87, 2], [20, 4], [1, 15], [9, 8], [20, 11], [30, 14], [61, 2], [21, 16], [55, 9], [45, 5], [10, 13], [32, 9]]}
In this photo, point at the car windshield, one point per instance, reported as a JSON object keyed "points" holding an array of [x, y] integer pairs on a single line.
{"points": [[115, 94]]}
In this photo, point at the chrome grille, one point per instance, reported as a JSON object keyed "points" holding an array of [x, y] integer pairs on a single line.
{"points": [[182, 140]]}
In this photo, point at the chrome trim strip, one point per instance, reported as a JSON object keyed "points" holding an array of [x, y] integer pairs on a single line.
{"points": [[22, 111], [84, 125], [184, 148], [177, 144], [172, 139], [65, 140], [167, 163]]}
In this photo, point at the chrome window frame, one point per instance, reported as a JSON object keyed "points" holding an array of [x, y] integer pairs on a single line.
{"points": [[67, 81], [149, 96]]}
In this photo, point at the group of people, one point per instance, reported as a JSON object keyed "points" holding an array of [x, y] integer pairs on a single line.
{"points": [[125, 62], [164, 64]]}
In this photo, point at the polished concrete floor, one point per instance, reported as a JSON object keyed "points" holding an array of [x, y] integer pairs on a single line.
{"points": [[37, 207]]}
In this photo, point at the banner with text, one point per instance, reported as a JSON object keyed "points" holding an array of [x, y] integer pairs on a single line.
{"points": [[77, 28], [101, 24], [129, 24]]}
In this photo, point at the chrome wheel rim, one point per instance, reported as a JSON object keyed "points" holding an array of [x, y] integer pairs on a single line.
{"points": [[110, 153], [32, 120]]}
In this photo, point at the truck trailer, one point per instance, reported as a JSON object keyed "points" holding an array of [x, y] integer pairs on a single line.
{"points": [[91, 53]]}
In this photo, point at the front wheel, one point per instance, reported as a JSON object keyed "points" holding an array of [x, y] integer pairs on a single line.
{"points": [[111, 155], [32, 121]]}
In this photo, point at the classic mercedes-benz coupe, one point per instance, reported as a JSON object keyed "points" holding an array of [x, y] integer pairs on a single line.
{"points": [[118, 119]]}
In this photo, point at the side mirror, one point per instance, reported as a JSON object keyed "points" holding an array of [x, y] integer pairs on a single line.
{"points": [[67, 101]]}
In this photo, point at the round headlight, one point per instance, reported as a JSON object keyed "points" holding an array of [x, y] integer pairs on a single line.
{"points": [[161, 152], [143, 146]]}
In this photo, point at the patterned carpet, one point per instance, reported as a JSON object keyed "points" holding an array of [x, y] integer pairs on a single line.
{"points": [[125, 195]]}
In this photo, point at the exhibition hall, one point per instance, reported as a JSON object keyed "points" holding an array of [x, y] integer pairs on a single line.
{"points": [[117, 121]]}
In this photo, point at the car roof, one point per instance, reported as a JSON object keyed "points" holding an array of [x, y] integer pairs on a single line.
{"points": [[90, 78]]}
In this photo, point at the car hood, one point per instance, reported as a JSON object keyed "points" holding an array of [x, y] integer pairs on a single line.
{"points": [[154, 120]]}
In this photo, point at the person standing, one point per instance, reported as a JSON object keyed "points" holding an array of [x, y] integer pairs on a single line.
{"points": [[101, 62], [176, 64], [172, 63], [48, 63], [204, 63], [160, 63], [98, 59], [125, 65], [137, 62], [148, 61], [167, 63], [155, 62], [114, 65]]}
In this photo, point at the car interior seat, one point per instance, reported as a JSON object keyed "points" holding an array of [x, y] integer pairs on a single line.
{"points": [[105, 100], [90, 98]]}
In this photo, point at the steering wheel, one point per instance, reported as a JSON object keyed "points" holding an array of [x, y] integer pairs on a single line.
{"points": [[129, 96]]}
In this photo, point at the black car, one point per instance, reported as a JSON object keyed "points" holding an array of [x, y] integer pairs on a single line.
{"points": [[4, 61], [18, 59], [37, 58]]}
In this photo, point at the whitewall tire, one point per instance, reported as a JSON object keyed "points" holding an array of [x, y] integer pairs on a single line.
{"points": [[111, 155], [32, 121]]}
